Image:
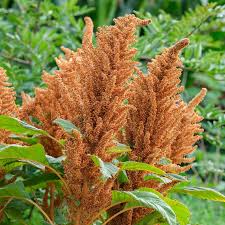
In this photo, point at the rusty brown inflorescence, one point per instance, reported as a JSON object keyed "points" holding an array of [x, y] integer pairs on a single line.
{"points": [[7, 102], [89, 89], [162, 125]]}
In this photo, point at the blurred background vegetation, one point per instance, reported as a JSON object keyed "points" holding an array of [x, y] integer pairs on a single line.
{"points": [[32, 31]]}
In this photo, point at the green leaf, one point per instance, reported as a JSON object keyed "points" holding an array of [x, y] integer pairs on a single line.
{"points": [[119, 148], [56, 163], [34, 152], [122, 177], [40, 178], [13, 211], [66, 125], [14, 189], [158, 178], [19, 127], [28, 140], [167, 178], [107, 169], [182, 212], [151, 190], [201, 192], [145, 199], [137, 166], [57, 160], [175, 177], [10, 154]]}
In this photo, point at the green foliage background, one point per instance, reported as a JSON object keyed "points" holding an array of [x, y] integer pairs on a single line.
{"points": [[32, 31]]}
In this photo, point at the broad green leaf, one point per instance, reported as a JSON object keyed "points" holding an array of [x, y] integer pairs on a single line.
{"points": [[57, 160], [182, 184], [182, 212], [122, 177], [66, 125], [56, 163], [119, 148], [139, 166], [28, 140], [35, 152], [19, 127], [11, 154], [14, 210], [16, 189], [40, 178], [201, 192], [151, 190], [157, 178], [107, 169], [175, 177], [166, 178], [145, 199], [123, 158]]}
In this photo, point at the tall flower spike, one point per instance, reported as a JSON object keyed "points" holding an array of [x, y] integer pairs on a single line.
{"points": [[45, 107], [87, 39], [89, 89], [151, 127], [7, 96], [183, 145], [7, 101], [162, 125]]}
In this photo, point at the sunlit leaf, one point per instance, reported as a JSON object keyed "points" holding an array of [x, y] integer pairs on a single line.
{"points": [[119, 148], [145, 199], [28, 140], [11, 154], [183, 214], [157, 178], [107, 169], [14, 189], [176, 177], [19, 127], [66, 125], [201, 192], [122, 177], [139, 166]]}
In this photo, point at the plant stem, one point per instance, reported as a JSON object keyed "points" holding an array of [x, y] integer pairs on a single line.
{"points": [[120, 212], [34, 163], [15, 59], [33, 203], [2, 209], [45, 199], [198, 26], [31, 212], [84, 193], [52, 200], [104, 210]]}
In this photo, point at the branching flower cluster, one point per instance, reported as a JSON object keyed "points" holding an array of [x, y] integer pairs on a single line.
{"points": [[101, 90]]}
